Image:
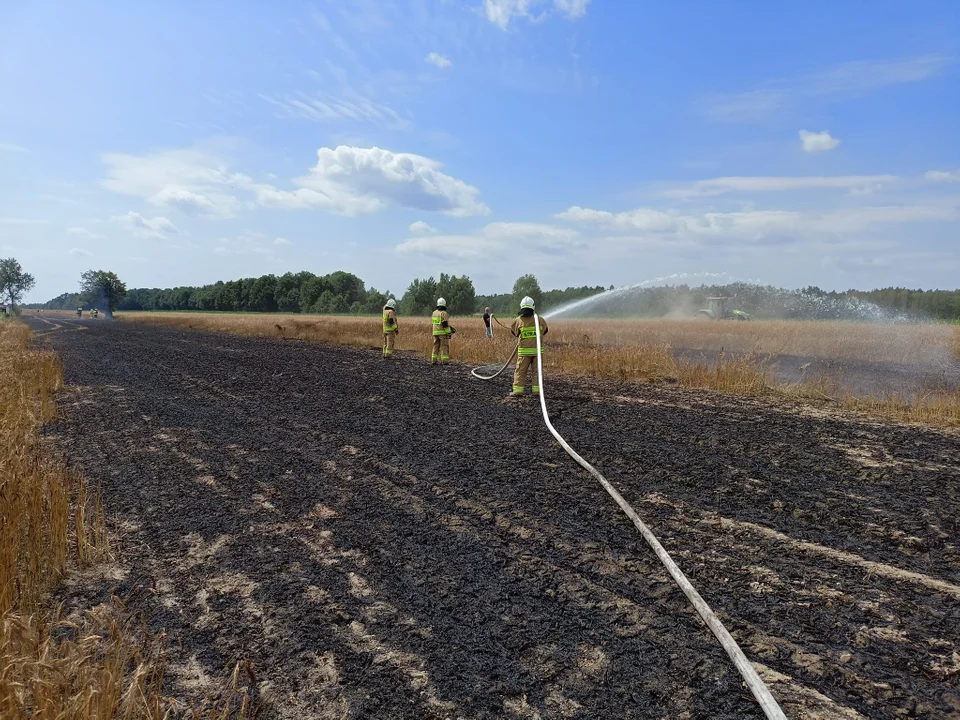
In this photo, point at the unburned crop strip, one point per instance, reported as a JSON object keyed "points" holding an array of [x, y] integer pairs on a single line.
{"points": [[98, 665]]}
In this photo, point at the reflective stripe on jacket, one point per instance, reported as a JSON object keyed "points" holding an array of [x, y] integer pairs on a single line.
{"points": [[438, 318], [524, 329]]}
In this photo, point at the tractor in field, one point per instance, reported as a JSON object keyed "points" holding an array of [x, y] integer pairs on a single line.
{"points": [[716, 309]]}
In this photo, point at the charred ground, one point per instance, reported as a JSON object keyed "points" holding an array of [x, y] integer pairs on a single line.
{"points": [[391, 540]]}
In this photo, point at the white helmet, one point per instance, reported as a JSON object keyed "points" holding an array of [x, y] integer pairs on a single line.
{"points": [[441, 302], [526, 303], [391, 303]]}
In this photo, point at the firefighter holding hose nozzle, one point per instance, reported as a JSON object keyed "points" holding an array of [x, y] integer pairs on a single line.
{"points": [[441, 333], [390, 328], [523, 327]]}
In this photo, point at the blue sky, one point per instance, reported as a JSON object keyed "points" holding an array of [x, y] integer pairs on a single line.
{"points": [[586, 141]]}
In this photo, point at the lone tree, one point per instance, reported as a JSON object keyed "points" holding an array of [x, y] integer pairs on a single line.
{"points": [[526, 285], [14, 282], [102, 289]]}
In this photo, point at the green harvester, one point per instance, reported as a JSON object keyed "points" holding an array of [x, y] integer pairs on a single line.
{"points": [[716, 309]]}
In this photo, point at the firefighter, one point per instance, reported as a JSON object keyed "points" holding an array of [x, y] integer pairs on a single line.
{"points": [[79, 312], [93, 313], [390, 328], [486, 322], [441, 333], [524, 329]]}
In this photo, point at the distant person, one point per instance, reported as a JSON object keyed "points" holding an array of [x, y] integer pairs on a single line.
{"points": [[79, 312], [3, 311], [93, 313], [486, 322], [390, 328], [525, 329], [441, 333]]}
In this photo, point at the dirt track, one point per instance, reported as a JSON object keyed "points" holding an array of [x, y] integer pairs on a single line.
{"points": [[396, 541]]}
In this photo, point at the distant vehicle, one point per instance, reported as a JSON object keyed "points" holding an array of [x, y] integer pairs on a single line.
{"points": [[716, 309]]}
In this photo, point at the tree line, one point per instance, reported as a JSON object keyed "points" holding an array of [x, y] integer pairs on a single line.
{"points": [[342, 292], [336, 293]]}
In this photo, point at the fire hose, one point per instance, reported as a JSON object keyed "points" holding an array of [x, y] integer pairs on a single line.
{"points": [[759, 689]]}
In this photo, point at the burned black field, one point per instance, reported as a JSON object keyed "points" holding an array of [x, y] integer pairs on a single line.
{"points": [[391, 540]]}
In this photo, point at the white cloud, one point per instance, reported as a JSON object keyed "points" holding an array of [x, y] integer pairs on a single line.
{"points": [[190, 180], [345, 180], [352, 181], [942, 177], [83, 232], [439, 60], [817, 142], [840, 82], [421, 228], [760, 184], [282, 241], [158, 228], [7, 147], [80, 252], [501, 12]]}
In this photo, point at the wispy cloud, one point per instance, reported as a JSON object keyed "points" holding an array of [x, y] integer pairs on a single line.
{"points": [[501, 12], [439, 60], [7, 147], [817, 142], [191, 180], [939, 176], [760, 184], [852, 78], [282, 241], [22, 221], [495, 239], [158, 228], [756, 226], [83, 232], [351, 106], [80, 252]]}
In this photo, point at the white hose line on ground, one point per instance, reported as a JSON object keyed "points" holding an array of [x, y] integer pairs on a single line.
{"points": [[759, 689], [497, 374]]}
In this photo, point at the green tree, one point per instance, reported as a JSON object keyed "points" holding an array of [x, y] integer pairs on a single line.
{"points": [[526, 285], [14, 282], [458, 292], [420, 297], [287, 293], [102, 289]]}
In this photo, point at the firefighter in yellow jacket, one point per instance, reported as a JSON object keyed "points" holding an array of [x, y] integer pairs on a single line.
{"points": [[441, 333], [390, 328], [523, 327]]}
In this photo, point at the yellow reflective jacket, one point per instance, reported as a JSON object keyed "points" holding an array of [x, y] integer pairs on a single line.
{"points": [[524, 329], [390, 320], [440, 320]]}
